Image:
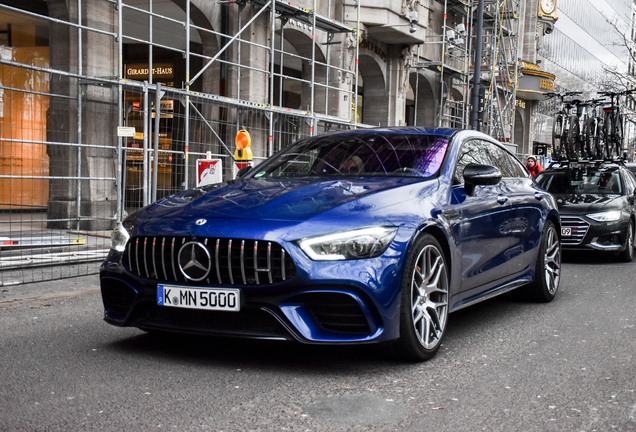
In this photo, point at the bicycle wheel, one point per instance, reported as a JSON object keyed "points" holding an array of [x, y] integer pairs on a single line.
{"points": [[557, 137], [586, 136], [572, 145], [618, 135], [608, 136], [599, 145]]}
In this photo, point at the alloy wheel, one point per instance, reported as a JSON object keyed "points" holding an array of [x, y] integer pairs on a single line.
{"points": [[429, 296], [552, 260]]}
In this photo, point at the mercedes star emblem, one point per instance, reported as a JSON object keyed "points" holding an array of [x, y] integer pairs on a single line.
{"points": [[194, 261]]}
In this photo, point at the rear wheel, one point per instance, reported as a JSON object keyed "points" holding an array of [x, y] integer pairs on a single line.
{"points": [[628, 254], [547, 270], [424, 301]]}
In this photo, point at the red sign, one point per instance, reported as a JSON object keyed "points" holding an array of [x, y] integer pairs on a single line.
{"points": [[208, 171]]}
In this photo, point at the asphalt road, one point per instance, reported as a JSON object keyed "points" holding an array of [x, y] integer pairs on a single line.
{"points": [[504, 366]]}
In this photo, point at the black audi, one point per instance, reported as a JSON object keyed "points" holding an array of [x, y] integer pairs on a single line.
{"points": [[597, 205]]}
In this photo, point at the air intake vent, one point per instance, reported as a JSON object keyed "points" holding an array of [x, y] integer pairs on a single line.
{"points": [[117, 296], [212, 261], [338, 313]]}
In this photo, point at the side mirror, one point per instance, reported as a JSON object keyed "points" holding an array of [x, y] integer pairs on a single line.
{"points": [[476, 174], [243, 171]]}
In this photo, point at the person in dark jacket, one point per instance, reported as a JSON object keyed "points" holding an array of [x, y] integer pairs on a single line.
{"points": [[533, 166]]}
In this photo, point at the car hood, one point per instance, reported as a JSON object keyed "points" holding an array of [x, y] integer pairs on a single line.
{"points": [[283, 199], [585, 203]]}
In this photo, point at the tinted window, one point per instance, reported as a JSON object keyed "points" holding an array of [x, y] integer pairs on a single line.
{"points": [[473, 151], [581, 181], [369, 154], [487, 153], [507, 164], [630, 182]]}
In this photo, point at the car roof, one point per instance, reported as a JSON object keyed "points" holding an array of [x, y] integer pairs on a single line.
{"points": [[564, 166], [445, 132]]}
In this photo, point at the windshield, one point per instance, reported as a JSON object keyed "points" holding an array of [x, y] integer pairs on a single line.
{"points": [[581, 181], [367, 154]]}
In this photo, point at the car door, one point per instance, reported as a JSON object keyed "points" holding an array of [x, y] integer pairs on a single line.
{"points": [[479, 217], [522, 233]]}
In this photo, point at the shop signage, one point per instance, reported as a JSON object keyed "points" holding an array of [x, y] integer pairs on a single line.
{"points": [[140, 71]]}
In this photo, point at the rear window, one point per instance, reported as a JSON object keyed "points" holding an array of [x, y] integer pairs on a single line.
{"points": [[371, 154]]}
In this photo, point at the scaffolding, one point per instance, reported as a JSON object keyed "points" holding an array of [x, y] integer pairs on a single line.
{"points": [[155, 162], [498, 65]]}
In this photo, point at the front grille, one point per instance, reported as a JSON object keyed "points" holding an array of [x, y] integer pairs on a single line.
{"points": [[579, 229], [338, 313], [229, 261]]}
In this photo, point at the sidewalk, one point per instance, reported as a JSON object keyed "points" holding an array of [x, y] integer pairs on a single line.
{"points": [[49, 289]]}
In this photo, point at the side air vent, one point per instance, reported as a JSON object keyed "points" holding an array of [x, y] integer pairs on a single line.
{"points": [[338, 313], [117, 296]]}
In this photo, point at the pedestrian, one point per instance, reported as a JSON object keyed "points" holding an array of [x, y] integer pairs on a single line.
{"points": [[533, 166]]}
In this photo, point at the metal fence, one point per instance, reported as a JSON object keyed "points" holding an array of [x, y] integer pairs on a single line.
{"points": [[67, 177]]}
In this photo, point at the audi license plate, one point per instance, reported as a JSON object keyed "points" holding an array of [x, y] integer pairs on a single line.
{"points": [[225, 299], [566, 232]]}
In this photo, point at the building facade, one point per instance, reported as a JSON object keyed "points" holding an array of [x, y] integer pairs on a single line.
{"points": [[588, 51], [187, 76]]}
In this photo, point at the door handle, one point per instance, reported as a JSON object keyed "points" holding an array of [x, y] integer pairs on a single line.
{"points": [[502, 199], [538, 196], [450, 214]]}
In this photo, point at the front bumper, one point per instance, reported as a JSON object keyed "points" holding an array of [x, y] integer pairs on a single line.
{"points": [[353, 301], [587, 234]]}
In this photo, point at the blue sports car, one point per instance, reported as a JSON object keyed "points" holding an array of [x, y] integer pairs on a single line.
{"points": [[362, 236]]}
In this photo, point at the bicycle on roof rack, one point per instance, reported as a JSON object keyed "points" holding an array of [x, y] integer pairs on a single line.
{"points": [[595, 130], [565, 127], [613, 123]]}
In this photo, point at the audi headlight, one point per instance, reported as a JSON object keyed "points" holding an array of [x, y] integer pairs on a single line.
{"points": [[606, 216], [119, 238], [346, 245]]}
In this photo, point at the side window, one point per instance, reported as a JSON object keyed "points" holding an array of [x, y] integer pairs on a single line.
{"points": [[507, 164], [630, 182], [472, 151]]}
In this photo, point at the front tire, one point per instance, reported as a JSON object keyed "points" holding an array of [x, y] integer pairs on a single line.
{"points": [[424, 301], [547, 270], [628, 254]]}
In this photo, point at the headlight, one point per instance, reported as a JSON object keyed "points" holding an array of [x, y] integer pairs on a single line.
{"points": [[606, 216], [346, 245], [119, 238]]}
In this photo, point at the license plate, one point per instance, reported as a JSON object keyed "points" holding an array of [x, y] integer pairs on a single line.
{"points": [[224, 299], [566, 232]]}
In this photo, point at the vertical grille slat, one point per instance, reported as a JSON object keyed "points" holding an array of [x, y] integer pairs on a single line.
{"points": [[243, 262], [244, 268], [137, 257], [174, 271], [229, 261], [256, 263], [282, 263], [145, 257], [216, 260], [163, 258], [154, 257], [269, 261]]}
